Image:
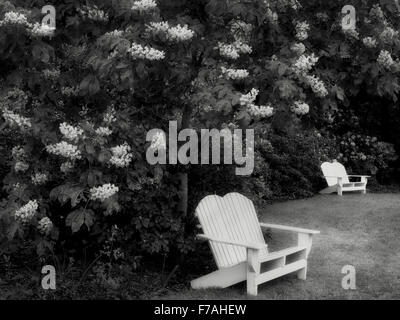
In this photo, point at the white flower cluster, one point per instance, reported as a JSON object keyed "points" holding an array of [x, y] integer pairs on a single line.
{"points": [[138, 51], [234, 74], [180, 33], [158, 27], [370, 42], [249, 98], [388, 35], [93, 13], [18, 188], [15, 18], [51, 74], [70, 133], [14, 119], [176, 34], [300, 108], [351, 33], [103, 192], [18, 152], [317, 86], [385, 59], [305, 63], [377, 13], [14, 99], [233, 50], [42, 30], [298, 48], [45, 226], [27, 212], [301, 68], [158, 142], [144, 5], [65, 150], [66, 167], [110, 116], [114, 34], [260, 111], [254, 110], [70, 91], [39, 178], [103, 131], [121, 155], [302, 29], [21, 166]]}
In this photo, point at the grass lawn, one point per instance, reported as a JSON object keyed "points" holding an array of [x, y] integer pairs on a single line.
{"points": [[358, 230]]}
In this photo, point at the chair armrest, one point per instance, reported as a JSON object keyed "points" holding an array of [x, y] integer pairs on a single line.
{"points": [[335, 177], [287, 228], [358, 176], [255, 246]]}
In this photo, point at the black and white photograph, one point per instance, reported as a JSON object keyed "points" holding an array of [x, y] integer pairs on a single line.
{"points": [[223, 151]]}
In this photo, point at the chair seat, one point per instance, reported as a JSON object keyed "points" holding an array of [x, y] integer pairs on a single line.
{"points": [[265, 256], [359, 184], [350, 184]]}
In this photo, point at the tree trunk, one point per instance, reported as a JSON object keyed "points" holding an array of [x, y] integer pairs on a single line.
{"points": [[182, 174], [183, 193]]}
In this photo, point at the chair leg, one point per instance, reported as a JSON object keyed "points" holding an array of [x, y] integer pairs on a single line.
{"points": [[305, 240], [253, 271], [252, 288], [339, 191], [302, 274]]}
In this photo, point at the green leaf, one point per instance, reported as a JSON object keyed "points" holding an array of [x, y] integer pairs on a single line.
{"points": [[67, 192], [41, 53], [287, 88], [12, 230], [76, 219], [90, 148], [111, 205], [89, 85], [104, 156]]}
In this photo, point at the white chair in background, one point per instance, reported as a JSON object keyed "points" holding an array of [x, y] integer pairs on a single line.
{"points": [[338, 179]]}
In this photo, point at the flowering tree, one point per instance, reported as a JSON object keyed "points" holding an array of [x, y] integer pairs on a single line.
{"points": [[77, 101]]}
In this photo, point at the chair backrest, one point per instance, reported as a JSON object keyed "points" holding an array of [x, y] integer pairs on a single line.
{"points": [[334, 169], [232, 217]]}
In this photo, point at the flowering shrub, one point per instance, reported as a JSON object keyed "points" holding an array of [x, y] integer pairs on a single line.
{"points": [[364, 153], [76, 104]]}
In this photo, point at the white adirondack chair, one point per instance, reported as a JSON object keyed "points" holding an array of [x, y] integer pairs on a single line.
{"points": [[231, 226], [338, 179]]}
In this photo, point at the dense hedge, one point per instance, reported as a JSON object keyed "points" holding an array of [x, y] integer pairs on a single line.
{"points": [[76, 104]]}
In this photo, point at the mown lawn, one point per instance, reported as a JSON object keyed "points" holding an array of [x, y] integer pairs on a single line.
{"points": [[358, 230]]}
